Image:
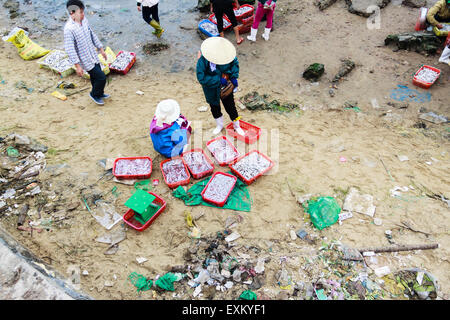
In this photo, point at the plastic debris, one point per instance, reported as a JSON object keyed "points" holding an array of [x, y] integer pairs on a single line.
{"points": [[141, 260], [197, 291], [377, 221], [166, 281], [397, 191], [356, 202], [140, 282], [344, 215], [260, 265], [248, 295], [113, 237], [324, 212], [292, 234], [382, 271], [232, 237], [433, 117], [105, 214]]}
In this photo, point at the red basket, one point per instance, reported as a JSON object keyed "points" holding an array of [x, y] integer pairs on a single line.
{"points": [[248, 182], [245, 14], [212, 16], [424, 84], [222, 203], [201, 174], [137, 176], [124, 72], [246, 25], [179, 183], [129, 219], [252, 133], [222, 164]]}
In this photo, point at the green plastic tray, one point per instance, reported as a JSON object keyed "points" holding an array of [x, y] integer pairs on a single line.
{"points": [[140, 201]]}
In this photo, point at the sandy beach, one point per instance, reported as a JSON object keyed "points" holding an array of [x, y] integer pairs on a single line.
{"points": [[320, 148]]}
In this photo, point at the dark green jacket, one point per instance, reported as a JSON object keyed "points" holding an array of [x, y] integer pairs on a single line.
{"points": [[210, 80]]}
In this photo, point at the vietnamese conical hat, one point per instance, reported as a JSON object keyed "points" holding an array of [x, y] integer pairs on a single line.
{"points": [[218, 50]]}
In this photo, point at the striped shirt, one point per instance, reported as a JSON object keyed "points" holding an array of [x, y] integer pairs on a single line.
{"points": [[80, 43]]}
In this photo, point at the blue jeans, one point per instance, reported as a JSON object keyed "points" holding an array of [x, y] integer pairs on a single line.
{"points": [[98, 81]]}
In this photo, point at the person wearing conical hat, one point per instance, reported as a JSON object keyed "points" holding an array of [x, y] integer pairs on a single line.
{"points": [[169, 129], [217, 61]]}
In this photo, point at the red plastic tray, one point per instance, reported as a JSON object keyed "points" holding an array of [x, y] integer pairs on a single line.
{"points": [[124, 72], [137, 176], [248, 182], [424, 84], [252, 132], [219, 204], [204, 173], [245, 14], [224, 16], [222, 164], [246, 24], [179, 183], [129, 219]]}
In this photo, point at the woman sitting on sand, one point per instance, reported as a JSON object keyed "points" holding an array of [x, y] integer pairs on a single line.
{"points": [[169, 130]]}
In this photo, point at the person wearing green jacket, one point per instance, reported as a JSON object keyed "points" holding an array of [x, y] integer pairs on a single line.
{"points": [[439, 13], [217, 61]]}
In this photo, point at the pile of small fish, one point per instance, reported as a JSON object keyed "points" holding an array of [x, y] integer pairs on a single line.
{"points": [[57, 60], [197, 162], [222, 151], [122, 61], [175, 171], [427, 75], [219, 188], [251, 165], [241, 11], [132, 167], [210, 27], [446, 27], [226, 24]]}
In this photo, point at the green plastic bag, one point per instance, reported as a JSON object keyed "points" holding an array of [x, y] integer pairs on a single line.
{"points": [[166, 281], [239, 198], [140, 282], [248, 295], [324, 212]]}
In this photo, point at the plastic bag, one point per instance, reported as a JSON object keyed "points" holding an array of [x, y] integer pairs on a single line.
{"points": [[445, 57], [57, 61], [324, 212], [28, 50]]}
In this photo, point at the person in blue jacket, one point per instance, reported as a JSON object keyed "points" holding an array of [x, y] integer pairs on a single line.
{"points": [[217, 61], [169, 130]]}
